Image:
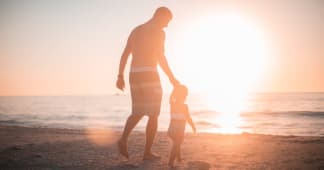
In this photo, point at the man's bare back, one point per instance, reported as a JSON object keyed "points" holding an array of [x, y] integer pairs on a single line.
{"points": [[147, 43]]}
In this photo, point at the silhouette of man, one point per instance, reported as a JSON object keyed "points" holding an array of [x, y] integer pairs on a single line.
{"points": [[146, 44]]}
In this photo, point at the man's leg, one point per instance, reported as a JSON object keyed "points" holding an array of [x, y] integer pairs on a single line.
{"points": [[131, 122], [179, 153], [151, 129]]}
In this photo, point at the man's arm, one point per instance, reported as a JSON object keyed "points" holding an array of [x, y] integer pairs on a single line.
{"points": [[165, 67], [123, 60], [163, 61]]}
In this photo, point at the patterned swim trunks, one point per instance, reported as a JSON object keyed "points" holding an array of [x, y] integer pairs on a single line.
{"points": [[146, 91]]}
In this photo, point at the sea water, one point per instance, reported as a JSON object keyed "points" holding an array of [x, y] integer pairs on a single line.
{"points": [[299, 114]]}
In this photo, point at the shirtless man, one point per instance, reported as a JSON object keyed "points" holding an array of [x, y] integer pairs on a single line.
{"points": [[146, 44]]}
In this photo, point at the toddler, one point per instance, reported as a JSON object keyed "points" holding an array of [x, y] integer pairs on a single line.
{"points": [[179, 117]]}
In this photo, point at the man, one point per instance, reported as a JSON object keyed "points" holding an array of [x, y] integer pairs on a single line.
{"points": [[146, 43]]}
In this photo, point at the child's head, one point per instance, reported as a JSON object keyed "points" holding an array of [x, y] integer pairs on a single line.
{"points": [[179, 94]]}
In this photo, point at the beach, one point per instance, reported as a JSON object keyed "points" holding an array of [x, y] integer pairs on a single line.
{"points": [[50, 148]]}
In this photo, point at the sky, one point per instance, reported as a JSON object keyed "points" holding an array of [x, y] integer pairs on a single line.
{"points": [[70, 47]]}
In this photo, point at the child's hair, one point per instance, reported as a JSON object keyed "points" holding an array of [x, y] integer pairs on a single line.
{"points": [[179, 91]]}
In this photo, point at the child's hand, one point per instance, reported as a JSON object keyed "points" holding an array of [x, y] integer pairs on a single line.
{"points": [[194, 129]]}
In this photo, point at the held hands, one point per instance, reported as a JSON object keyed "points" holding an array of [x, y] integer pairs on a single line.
{"points": [[174, 81], [120, 84]]}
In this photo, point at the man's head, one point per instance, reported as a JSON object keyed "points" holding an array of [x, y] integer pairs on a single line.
{"points": [[162, 16]]}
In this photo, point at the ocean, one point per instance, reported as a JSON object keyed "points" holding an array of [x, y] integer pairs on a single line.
{"points": [[299, 114]]}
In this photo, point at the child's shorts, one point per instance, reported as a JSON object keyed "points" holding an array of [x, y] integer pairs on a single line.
{"points": [[176, 130]]}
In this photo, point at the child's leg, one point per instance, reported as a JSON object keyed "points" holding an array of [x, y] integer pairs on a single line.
{"points": [[179, 140], [173, 153]]}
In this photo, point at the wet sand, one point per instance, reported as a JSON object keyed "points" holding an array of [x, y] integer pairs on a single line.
{"points": [[45, 148]]}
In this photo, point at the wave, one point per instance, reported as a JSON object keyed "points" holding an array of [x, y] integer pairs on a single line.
{"points": [[199, 112], [313, 114], [9, 122], [286, 113], [207, 124]]}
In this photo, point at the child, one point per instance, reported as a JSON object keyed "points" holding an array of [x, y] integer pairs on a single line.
{"points": [[179, 116]]}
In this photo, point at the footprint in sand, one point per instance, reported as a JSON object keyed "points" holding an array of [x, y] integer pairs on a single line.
{"points": [[198, 165], [124, 167]]}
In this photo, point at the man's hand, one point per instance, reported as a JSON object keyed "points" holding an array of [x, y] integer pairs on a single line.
{"points": [[174, 81], [120, 84]]}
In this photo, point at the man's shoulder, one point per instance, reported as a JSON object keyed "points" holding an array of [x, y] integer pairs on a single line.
{"points": [[137, 28], [148, 28], [141, 26]]}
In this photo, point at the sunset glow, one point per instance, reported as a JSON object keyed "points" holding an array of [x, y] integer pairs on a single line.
{"points": [[228, 55], [76, 51], [211, 84]]}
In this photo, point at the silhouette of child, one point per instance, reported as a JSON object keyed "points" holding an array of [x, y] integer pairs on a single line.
{"points": [[179, 117]]}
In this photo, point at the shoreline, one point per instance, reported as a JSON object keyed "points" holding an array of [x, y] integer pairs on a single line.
{"points": [[117, 130], [55, 148]]}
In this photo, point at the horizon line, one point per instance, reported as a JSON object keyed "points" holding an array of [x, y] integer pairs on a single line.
{"points": [[127, 93]]}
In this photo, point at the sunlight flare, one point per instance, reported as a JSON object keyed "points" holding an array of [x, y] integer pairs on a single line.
{"points": [[101, 137], [226, 56]]}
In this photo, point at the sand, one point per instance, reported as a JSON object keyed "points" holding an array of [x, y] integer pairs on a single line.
{"points": [[44, 148]]}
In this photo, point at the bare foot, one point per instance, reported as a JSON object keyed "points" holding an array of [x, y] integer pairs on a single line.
{"points": [[171, 165], [122, 147], [150, 156]]}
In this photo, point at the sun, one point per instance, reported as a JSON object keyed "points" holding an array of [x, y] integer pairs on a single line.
{"points": [[224, 58]]}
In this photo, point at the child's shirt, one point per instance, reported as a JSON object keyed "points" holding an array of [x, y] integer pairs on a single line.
{"points": [[179, 111]]}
